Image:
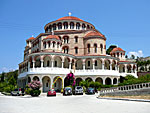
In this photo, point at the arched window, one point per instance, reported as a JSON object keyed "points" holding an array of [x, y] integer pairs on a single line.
{"points": [[76, 50], [50, 28], [59, 25], [101, 48], [88, 27], [95, 48], [117, 54], [76, 39], [49, 44], [54, 26], [95, 62], [57, 45], [53, 44], [88, 46], [66, 39], [71, 25], [55, 64], [77, 26], [65, 25], [66, 49], [48, 63], [83, 26], [44, 44], [121, 54], [89, 63]]}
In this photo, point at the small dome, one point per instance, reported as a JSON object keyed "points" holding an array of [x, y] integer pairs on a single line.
{"points": [[31, 38], [70, 18], [117, 49], [94, 33], [52, 37]]}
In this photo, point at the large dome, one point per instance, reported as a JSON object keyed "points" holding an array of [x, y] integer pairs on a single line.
{"points": [[70, 18]]}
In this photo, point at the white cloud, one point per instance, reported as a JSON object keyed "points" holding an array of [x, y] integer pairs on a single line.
{"points": [[138, 53]]}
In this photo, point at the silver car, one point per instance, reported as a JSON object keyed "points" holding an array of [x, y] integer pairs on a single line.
{"points": [[78, 90], [17, 92]]}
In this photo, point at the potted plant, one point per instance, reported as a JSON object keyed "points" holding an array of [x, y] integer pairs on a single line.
{"points": [[35, 88]]}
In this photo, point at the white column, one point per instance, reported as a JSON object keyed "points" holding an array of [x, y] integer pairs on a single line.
{"points": [[42, 64], [70, 65], [62, 64], [52, 63], [83, 65], [93, 66], [110, 65], [125, 68], [28, 66], [103, 64], [33, 64]]}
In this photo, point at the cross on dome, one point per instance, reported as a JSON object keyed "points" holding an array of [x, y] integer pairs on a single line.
{"points": [[69, 13]]}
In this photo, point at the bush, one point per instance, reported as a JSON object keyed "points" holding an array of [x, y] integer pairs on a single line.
{"points": [[27, 91], [9, 88], [35, 92]]}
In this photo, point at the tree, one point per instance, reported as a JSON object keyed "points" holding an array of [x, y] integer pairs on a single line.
{"points": [[12, 81], [2, 77], [132, 57], [145, 64], [142, 68], [110, 49]]}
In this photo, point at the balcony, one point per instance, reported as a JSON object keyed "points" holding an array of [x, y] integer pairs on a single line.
{"points": [[64, 71]]}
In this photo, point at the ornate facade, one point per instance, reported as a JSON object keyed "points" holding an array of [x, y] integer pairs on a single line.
{"points": [[71, 44]]}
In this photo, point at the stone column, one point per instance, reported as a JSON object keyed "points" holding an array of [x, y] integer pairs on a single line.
{"points": [[83, 65], [28, 66], [110, 65], [70, 64], [125, 68], [103, 64], [62, 65], [42, 63], [52, 63], [33, 64], [93, 66]]}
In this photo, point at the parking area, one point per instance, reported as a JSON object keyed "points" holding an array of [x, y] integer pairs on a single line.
{"points": [[69, 104]]}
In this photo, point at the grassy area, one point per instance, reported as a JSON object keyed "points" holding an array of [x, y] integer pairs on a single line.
{"points": [[147, 97]]}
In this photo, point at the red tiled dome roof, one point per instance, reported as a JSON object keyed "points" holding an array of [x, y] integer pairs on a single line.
{"points": [[94, 33], [52, 36], [69, 18], [31, 38], [117, 49]]}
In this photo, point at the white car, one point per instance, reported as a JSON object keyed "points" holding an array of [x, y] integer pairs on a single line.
{"points": [[78, 90]]}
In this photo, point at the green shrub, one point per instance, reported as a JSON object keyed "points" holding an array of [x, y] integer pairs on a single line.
{"points": [[27, 91], [9, 88], [35, 92]]}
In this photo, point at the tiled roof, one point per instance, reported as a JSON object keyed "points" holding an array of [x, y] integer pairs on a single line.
{"points": [[69, 18], [31, 38], [117, 49], [52, 37], [94, 33]]}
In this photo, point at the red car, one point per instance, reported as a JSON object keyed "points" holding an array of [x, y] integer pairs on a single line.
{"points": [[51, 92]]}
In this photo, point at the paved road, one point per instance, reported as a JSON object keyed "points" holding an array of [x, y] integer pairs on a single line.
{"points": [[69, 104]]}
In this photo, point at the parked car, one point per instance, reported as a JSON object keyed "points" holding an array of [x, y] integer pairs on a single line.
{"points": [[51, 92], [18, 92], [90, 91], [67, 91], [78, 90]]}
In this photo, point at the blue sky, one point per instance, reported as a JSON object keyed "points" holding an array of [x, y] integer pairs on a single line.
{"points": [[125, 23]]}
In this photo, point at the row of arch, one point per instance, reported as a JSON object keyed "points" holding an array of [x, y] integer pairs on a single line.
{"points": [[68, 25], [47, 82], [78, 64]]}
